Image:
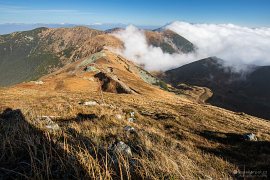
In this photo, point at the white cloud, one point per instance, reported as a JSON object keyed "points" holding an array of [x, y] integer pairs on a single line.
{"points": [[153, 58], [235, 44]]}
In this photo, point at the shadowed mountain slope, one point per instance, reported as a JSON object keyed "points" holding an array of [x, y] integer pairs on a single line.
{"points": [[246, 91]]}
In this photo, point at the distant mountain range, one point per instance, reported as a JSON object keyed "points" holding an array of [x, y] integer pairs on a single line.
{"points": [[15, 27]]}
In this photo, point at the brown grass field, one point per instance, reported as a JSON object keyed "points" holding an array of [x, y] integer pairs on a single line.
{"points": [[174, 138]]}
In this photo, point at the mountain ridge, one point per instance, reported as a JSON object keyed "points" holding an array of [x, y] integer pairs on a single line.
{"points": [[54, 48], [33, 50]]}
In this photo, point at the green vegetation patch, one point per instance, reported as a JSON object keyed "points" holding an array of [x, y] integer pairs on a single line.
{"points": [[92, 58]]}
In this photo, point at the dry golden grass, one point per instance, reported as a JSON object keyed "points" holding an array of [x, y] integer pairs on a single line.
{"points": [[175, 138], [176, 147]]}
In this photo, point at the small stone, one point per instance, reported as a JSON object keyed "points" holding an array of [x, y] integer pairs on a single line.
{"points": [[121, 147], [132, 114], [48, 123], [129, 128], [118, 116], [53, 127], [250, 137], [90, 103], [131, 119]]}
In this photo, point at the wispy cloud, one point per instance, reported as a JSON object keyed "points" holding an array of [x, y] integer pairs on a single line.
{"points": [[24, 10]]}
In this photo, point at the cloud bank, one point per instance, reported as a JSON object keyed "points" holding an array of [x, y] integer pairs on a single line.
{"points": [[237, 45]]}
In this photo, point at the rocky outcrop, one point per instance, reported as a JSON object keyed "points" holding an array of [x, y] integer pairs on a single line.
{"points": [[111, 83]]}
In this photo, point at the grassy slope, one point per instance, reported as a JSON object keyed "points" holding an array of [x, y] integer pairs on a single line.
{"points": [[175, 138], [193, 141], [31, 54], [20, 60]]}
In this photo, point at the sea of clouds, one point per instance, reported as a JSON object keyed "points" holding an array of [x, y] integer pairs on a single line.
{"points": [[238, 46]]}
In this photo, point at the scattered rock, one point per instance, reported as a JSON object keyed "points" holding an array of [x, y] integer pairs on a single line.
{"points": [[53, 127], [121, 147], [48, 123], [118, 116], [129, 129], [90, 103], [131, 119], [250, 137], [132, 114]]}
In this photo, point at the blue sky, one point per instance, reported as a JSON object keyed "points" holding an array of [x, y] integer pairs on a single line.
{"points": [[138, 12]]}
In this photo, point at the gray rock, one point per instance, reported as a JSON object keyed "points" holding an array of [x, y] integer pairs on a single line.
{"points": [[53, 127], [132, 114], [121, 147], [129, 129], [47, 123], [250, 137], [131, 119], [90, 103]]}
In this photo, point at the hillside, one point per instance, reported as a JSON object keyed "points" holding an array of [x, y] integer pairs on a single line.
{"points": [[238, 91], [28, 55], [103, 117], [169, 41]]}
